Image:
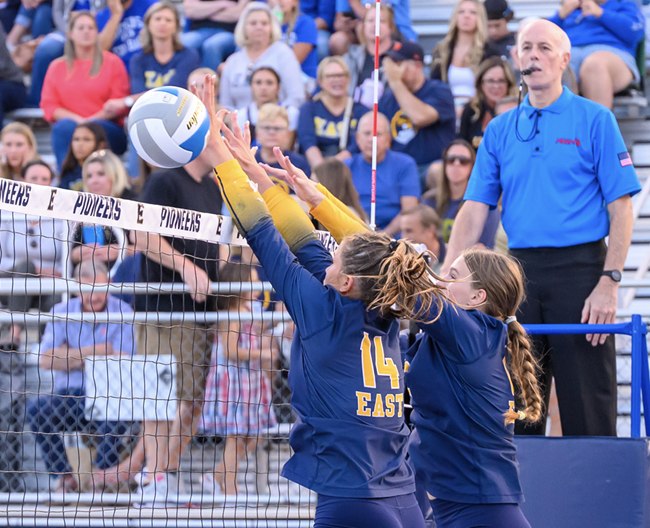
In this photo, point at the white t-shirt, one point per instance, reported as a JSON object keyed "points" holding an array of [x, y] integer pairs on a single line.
{"points": [[461, 81]]}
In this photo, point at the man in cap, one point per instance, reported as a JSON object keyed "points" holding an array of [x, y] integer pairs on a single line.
{"points": [[420, 110]]}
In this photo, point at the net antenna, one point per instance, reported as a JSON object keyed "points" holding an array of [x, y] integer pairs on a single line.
{"points": [[375, 89]]}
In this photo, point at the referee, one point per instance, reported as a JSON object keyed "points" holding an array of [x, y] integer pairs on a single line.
{"points": [[566, 180]]}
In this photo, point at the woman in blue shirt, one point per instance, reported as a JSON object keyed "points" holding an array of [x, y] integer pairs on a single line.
{"points": [[349, 439], [327, 123], [447, 196], [604, 36], [163, 61]]}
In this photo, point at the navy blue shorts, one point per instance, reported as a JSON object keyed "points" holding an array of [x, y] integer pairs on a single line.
{"points": [[460, 515], [392, 512]]}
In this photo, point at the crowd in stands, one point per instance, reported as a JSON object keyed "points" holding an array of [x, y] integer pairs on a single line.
{"points": [[301, 73]]}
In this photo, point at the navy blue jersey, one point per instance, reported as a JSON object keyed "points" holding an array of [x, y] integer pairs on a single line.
{"points": [[460, 389], [318, 127], [346, 379]]}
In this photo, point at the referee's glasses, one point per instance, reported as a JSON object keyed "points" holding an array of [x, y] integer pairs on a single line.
{"points": [[463, 160]]}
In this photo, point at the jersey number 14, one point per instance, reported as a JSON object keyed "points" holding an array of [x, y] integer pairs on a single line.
{"points": [[384, 405]]}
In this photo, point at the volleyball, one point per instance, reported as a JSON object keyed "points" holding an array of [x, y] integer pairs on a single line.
{"points": [[169, 127]]}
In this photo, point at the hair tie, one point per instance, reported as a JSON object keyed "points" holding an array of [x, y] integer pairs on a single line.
{"points": [[521, 415], [392, 245], [510, 319]]}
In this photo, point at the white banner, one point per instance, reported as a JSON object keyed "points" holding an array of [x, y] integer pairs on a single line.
{"points": [[77, 206]]}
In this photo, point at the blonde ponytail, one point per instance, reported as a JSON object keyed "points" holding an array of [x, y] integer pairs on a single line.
{"points": [[503, 281], [392, 275]]}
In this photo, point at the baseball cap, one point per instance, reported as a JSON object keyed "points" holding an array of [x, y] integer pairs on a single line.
{"points": [[497, 9], [406, 51]]}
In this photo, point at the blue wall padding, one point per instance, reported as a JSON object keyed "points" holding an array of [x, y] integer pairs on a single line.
{"points": [[585, 482]]}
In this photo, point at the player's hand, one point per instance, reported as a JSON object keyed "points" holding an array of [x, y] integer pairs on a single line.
{"points": [[239, 144], [591, 8], [393, 71], [304, 188], [197, 281], [216, 146], [600, 308], [568, 7]]}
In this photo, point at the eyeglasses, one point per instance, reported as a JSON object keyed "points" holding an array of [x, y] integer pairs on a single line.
{"points": [[463, 160], [272, 129], [495, 82]]}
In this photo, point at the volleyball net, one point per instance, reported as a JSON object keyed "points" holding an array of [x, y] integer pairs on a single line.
{"points": [[143, 368]]}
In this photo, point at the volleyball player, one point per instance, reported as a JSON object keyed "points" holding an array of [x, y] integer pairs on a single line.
{"points": [[462, 395], [346, 375]]}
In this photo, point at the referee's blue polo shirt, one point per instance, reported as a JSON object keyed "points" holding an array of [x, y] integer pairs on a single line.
{"points": [[556, 186]]}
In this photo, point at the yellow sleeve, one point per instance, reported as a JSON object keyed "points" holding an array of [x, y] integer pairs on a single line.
{"points": [[338, 203], [289, 218], [241, 196], [337, 221]]}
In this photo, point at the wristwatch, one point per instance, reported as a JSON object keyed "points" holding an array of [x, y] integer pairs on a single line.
{"points": [[615, 275], [128, 101]]}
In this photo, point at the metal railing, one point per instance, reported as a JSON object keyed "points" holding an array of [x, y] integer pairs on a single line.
{"points": [[637, 329]]}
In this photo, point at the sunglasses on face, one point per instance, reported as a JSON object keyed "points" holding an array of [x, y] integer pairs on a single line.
{"points": [[463, 160]]}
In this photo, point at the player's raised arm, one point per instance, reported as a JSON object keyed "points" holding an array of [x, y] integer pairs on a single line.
{"points": [[328, 210]]}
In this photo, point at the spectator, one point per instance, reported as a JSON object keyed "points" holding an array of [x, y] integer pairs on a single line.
{"points": [[265, 88], [556, 221], [51, 47], [30, 248], [299, 33], [604, 38], [337, 179], [77, 87], [420, 110], [422, 225], [258, 33], [458, 161], [120, 24], [327, 123], [238, 411], [103, 174], [65, 346], [361, 58], [498, 16], [273, 131], [12, 87], [195, 263], [87, 138], [397, 176], [494, 80], [163, 61], [348, 12], [18, 148], [568, 76], [457, 56], [323, 12], [212, 24], [33, 15]]}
